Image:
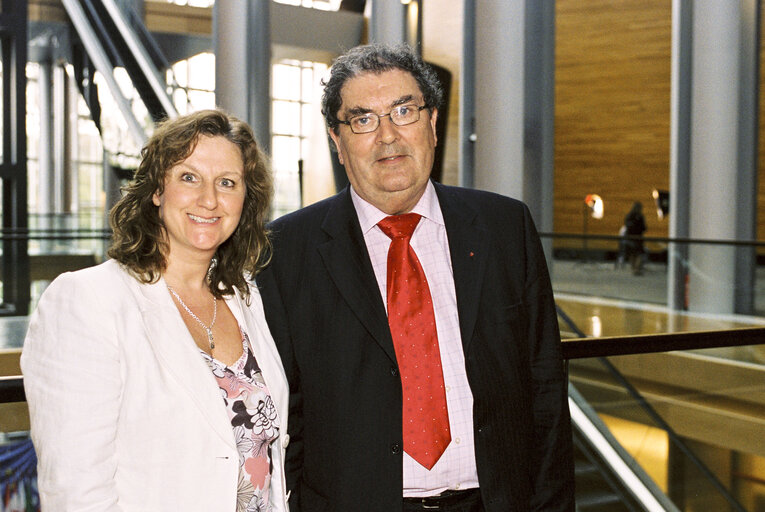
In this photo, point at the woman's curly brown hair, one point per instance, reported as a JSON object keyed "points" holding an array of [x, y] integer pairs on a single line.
{"points": [[138, 242]]}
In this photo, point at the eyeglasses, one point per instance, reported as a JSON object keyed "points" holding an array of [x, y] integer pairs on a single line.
{"points": [[400, 116]]}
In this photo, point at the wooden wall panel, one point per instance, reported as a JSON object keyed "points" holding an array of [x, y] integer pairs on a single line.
{"points": [[612, 110]]}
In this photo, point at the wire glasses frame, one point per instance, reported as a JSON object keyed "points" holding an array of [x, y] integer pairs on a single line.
{"points": [[401, 115]]}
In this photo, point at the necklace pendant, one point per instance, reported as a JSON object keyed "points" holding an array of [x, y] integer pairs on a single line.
{"points": [[211, 340]]}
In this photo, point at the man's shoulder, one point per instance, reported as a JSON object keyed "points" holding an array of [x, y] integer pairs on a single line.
{"points": [[310, 215], [481, 200]]}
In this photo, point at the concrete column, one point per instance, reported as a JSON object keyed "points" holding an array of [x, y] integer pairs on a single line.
{"points": [[722, 172], [73, 126], [60, 138], [467, 136], [45, 179], [514, 109], [746, 211], [680, 151], [387, 24], [413, 21], [242, 42]]}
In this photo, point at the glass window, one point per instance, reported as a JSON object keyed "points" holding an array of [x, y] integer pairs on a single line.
{"points": [[201, 99], [286, 154], [286, 81], [296, 91], [181, 72], [33, 134], [201, 69], [180, 99], [324, 5], [88, 155], [194, 85], [286, 118], [192, 3]]}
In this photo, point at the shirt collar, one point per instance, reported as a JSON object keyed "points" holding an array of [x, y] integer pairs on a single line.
{"points": [[369, 215]]}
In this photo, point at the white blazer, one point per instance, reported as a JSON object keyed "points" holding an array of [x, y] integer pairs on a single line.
{"points": [[125, 413]]}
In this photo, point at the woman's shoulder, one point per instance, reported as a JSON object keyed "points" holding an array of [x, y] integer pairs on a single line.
{"points": [[96, 282], [109, 271]]}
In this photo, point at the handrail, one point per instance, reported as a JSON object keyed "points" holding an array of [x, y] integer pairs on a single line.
{"points": [[156, 82], [657, 239], [578, 348], [101, 61], [12, 389], [55, 234]]}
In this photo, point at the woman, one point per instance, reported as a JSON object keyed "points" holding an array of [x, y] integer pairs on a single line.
{"points": [[152, 380], [634, 226]]}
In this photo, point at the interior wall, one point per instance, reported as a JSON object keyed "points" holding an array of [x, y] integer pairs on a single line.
{"points": [[612, 110]]}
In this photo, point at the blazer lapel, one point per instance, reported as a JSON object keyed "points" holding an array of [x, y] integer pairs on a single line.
{"points": [[178, 354], [468, 245], [347, 261], [252, 320]]}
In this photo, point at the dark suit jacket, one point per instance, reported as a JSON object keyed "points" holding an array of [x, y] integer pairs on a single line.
{"points": [[326, 314]]}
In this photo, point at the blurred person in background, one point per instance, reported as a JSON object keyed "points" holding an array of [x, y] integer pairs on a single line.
{"points": [[634, 227]]}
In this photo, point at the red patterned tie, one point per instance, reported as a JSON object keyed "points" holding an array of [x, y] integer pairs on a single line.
{"points": [[413, 328]]}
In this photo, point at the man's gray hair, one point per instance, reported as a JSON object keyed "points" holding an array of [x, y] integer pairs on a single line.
{"points": [[377, 58]]}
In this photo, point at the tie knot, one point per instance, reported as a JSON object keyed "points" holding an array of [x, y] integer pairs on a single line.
{"points": [[399, 226]]}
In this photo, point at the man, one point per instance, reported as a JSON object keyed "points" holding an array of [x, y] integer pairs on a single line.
{"points": [[491, 430]]}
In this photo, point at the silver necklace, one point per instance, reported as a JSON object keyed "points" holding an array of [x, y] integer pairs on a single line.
{"points": [[208, 330]]}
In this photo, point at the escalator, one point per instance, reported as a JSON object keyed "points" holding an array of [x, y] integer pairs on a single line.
{"points": [[111, 36], [608, 478]]}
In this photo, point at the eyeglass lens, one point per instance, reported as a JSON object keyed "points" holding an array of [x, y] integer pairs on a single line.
{"points": [[400, 116]]}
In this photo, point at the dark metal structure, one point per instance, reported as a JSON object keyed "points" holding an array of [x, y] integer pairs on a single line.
{"points": [[13, 164]]}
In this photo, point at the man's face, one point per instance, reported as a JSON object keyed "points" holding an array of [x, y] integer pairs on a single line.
{"points": [[390, 166]]}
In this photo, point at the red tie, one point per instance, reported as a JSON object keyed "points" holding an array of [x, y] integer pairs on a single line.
{"points": [[413, 328]]}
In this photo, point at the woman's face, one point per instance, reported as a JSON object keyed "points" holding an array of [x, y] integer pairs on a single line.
{"points": [[203, 198]]}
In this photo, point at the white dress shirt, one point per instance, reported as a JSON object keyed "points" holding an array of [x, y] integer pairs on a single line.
{"points": [[456, 469]]}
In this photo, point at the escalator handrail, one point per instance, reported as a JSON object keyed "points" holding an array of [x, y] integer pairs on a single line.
{"points": [[150, 72], [149, 42], [622, 464], [99, 58]]}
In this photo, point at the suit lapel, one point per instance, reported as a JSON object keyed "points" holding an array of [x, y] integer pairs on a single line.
{"points": [[178, 354], [468, 246], [347, 261]]}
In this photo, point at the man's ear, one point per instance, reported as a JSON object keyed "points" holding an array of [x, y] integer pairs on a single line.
{"points": [[336, 140], [433, 117]]}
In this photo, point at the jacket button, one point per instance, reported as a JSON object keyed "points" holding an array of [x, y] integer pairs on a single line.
{"points": [[286, 441], [393, 371], [395, 448]]}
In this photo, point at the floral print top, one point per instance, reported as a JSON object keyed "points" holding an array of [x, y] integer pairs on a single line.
{"points": [[253, 418]]}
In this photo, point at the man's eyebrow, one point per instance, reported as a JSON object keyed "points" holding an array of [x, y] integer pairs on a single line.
{"points": [[403, 100], [358, 110]]}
